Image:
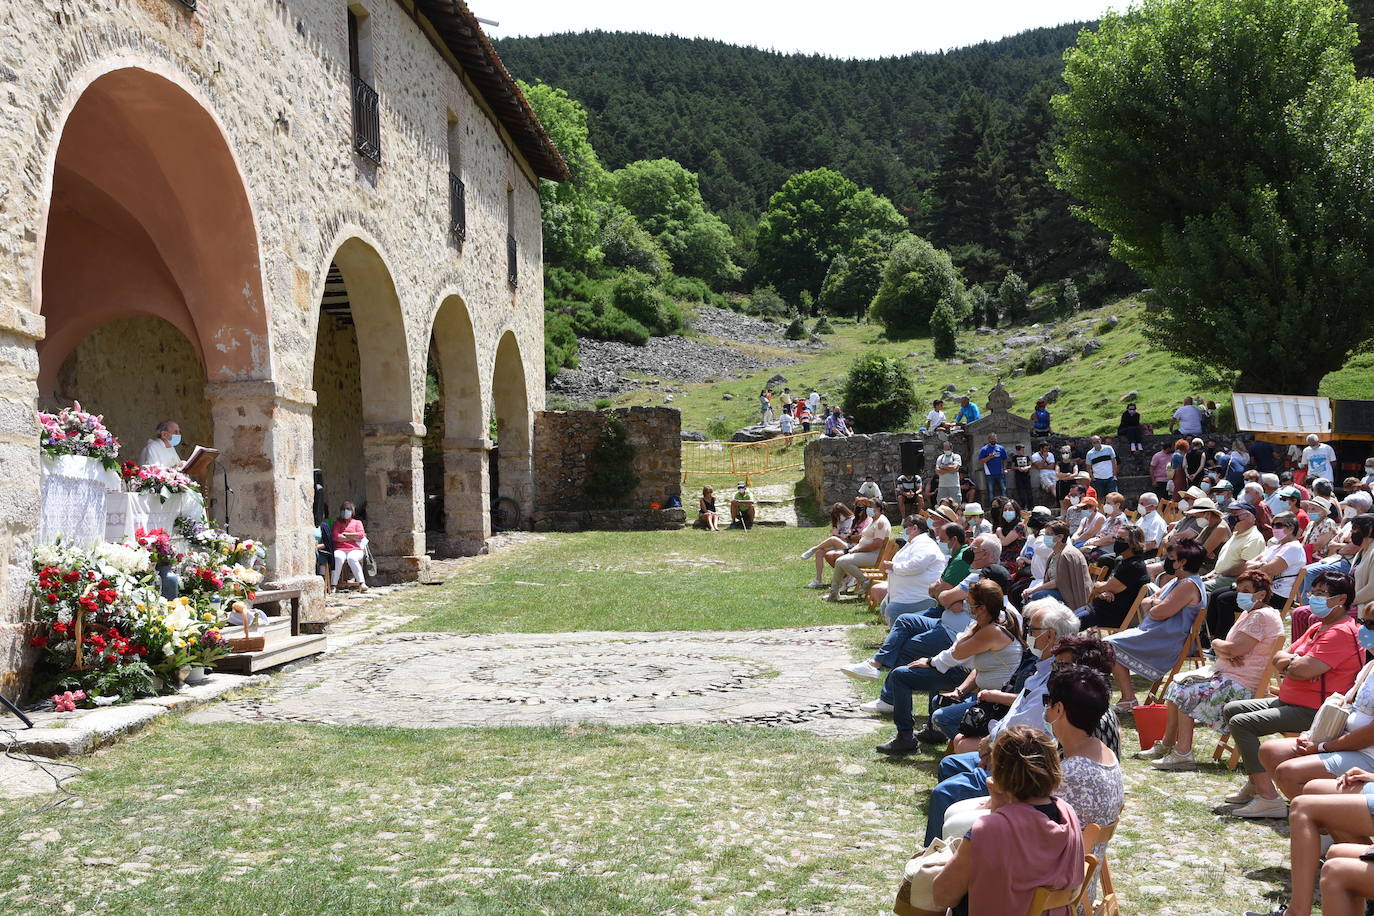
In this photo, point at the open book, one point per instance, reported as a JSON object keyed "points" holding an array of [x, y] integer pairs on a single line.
{"points": [[201, 462]]}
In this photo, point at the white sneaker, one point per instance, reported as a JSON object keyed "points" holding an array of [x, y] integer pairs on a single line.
{"points": [[1241, 796], [863, 671], [808, 553], [1259, 806], [878, 706], [1156, 751], [1175, 761], [816, 583]]}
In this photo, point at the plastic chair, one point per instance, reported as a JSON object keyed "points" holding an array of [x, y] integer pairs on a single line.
{"points": [[1093, 834], [1224, 746], [1047, 899]]}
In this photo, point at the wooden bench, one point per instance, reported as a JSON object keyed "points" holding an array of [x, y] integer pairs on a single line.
{"points": [[280, 598]]}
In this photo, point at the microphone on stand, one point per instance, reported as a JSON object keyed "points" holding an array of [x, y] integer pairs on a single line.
{"points": [[225, 473]]}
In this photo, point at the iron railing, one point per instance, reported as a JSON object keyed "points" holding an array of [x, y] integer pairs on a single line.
{"points": [[458, 207], [512, 261], [367, 123]]}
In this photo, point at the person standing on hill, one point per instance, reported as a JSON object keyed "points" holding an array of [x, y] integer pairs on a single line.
{"points": [[1040, 419], [1021, 475], [1159, 470], [968, 412]]}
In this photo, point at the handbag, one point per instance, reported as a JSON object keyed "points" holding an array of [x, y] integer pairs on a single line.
{"points": [[1329, 722], [977, 721], [916, 896]]}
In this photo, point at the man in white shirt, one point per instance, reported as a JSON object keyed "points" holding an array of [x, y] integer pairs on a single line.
{"points": [[869, 488], [911, 573], [1188, 419], [861, 555], [162, 448], [814, 401], [1047, 479], [1319, 459], [1368, 472], [947, 468], [1102, 461], [1151, 523]]}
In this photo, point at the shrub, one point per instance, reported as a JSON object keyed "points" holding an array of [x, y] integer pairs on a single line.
{"points": [[610, 464], [1013, 297], [636, 296], [602, 404], [625, 243], [1069, 303], [560, 344], [916, 278], [796, 330], [687, 289], [879, 393], [606, 322], [766, 303], [944, 330], [823, 327]]}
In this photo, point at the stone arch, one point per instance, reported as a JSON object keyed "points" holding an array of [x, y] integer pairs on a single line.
{"points": [[366, 431], [458, 443], [147, 213], [510, 409]]}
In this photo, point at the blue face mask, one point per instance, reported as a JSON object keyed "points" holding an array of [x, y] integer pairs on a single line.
{"points": [[1048, 541], [176, 440], [872, 512], [1245, 600], [1319, 606], [1366, 637]]}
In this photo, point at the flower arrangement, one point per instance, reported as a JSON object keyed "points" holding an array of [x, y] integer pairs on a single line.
{"points": [[246, 553], [158, 544], [209, 648], [73, 431], [204, 538], [154, 478], [66, 701]]}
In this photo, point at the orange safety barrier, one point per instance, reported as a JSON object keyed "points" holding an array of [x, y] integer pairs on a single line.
{"points": [[744, 460]]}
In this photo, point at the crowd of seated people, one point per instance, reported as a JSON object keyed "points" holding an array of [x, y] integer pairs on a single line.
{"points": [[1008, 627]]}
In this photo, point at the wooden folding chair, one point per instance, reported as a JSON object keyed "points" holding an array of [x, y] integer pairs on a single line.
{"points": [[876, 573], [1047, 899], [1224, 746], [1093, 834], [1169, 511], [1132, 616], [1191, 652]]}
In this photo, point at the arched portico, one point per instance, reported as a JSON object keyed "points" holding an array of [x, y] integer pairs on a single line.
{"points": [[462, 437], [510, 407]]}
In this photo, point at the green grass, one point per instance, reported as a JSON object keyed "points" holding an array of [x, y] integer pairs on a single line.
{"points": [[1092, 387], [658, 580]]}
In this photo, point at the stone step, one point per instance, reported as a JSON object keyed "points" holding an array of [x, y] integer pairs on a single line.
{"points": [[274, 631], [272, 655]]}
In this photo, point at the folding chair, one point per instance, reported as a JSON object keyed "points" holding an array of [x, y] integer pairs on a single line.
{"points": [[1191, 652], [1132, 616], [876, 573], [1047, 899], [1093, 834], [1169, 511], [1224, 746]]}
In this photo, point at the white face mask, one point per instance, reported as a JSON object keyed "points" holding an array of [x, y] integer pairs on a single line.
{"points": [[1142, 508], [1109, 509], [346, 513], [1073, 500], [1348, 512], [1184, 505]]}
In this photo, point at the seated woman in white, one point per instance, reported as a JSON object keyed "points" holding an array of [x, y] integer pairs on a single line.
{"points": [[162, 448], [350, 546]]}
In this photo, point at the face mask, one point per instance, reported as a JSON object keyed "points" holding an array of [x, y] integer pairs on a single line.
{"points": [[1365, 636], [1073, 500], [1184, 505], [1109, 509], [1009, 516], [1223, 500], [1369, 470], [1047, 541], [944, 549], [1119, 546], [1347, 512], [872, 512], [175, 440], [1206, 487], [346, 513], [1142, 509], [1245, 600], [1319, 606], [1036, 650]]}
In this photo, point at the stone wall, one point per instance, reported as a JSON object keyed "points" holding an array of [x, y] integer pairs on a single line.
{"points": [[563, 444], [836, 466], [338, 438]]}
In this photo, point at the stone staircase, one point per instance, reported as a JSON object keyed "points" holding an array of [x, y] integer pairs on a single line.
{"points": [[282, 638]]}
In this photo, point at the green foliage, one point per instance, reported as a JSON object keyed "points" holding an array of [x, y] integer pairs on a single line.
{"points": [[666, 200], [814, 218], [560, 344], [571, 217], [611, 477], [823, 326], [879, 393], [766, 303], [916, 278], [966, 190], [852, 280], [796, 330], [1068, 302], [1013, 298], [1226, 147], [719, 431], [944, 329], [602, 404], [635, 295], [625, 244], [984, 309]]}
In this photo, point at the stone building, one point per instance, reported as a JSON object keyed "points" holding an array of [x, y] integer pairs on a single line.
{"points": [[280, 222]]}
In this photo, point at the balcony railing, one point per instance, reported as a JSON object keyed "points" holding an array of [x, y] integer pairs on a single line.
{"points": [[367, 124], [458, 207], [512, 261]]}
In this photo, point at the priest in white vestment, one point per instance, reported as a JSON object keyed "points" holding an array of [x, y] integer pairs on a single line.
{"points": [[162, 448]]}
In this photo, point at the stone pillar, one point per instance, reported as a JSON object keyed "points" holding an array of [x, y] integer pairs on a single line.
{"points": [[263, 433], [20, 329], [393, 468], [467, 496], [516, 476]]}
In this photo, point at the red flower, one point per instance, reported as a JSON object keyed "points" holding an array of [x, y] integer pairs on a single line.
{"points": [[89, 603], [52, 599], [71, 576], [60, 629], [96, 640], [39, 642], [108, 595]]}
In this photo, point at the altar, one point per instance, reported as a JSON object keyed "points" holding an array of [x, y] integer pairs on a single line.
{"points": [[125, 513]]}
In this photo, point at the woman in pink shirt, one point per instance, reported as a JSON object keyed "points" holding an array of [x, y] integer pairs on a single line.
{"points": [[350, 544]]}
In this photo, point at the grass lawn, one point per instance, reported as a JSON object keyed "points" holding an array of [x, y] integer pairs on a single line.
{"points": [[658, 580]]}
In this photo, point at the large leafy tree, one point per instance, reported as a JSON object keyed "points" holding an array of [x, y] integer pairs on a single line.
{"points": [[1229, 151], [666, 200], [918, 277], [879, 393], [571, 209], [815, 217]]}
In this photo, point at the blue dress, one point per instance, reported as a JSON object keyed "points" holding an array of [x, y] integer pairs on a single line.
{"points": [[1151, 649]]}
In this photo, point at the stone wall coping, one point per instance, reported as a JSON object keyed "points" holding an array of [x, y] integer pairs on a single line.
{"points": [[259, 390], [22, 321]]}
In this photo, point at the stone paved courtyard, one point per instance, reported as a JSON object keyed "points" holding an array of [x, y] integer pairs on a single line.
{"points": [[438, 680]]}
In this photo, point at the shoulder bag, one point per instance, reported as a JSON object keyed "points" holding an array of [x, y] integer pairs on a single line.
{"points": [[916, 896]]}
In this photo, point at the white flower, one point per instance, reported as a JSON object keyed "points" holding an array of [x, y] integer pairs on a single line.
{"points": [[47, 555], [121, 558]]}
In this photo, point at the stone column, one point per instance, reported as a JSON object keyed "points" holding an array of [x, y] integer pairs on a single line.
{"points": [[20, 329], [467, 496], [263, 433], [393, 468], [516, 475]]}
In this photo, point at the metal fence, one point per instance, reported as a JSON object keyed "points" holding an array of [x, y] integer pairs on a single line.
{"points": [[743, 460]]}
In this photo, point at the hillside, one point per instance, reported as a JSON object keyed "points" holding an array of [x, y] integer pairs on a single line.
{"points": [[745, 119]]}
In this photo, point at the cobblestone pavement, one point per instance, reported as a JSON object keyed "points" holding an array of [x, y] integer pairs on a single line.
{"points": [[786, 678]]}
